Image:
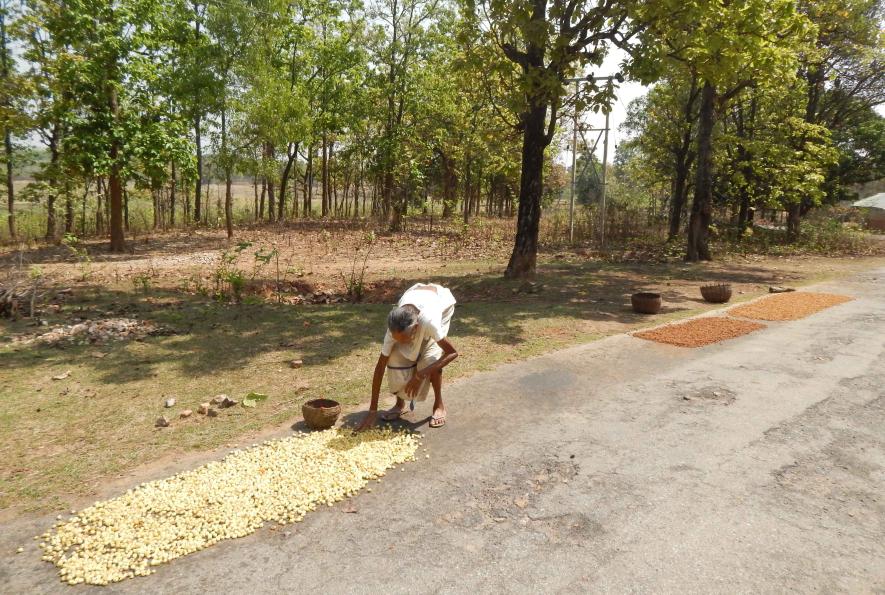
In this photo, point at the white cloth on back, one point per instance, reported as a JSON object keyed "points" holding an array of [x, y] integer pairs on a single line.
{"points": [[436, 305]]}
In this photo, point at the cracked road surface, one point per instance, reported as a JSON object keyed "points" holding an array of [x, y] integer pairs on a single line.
{"points": [[754, 465]]}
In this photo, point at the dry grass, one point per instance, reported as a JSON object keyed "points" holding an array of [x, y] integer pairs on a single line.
{"points": [[789, 306], [700, 331], [62, 440]]}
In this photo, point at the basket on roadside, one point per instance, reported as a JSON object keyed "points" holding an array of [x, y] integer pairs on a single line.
{"points": [[321, 414], [718, 293], [646, 302]]}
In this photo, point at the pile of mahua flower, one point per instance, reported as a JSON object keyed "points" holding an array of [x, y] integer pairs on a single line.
{"points": [[277, 481]]}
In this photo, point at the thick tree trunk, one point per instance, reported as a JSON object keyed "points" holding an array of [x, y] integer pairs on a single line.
{"points": [[287, 170], [525, 248], [794, 217], [743, 211], [702, 206]]}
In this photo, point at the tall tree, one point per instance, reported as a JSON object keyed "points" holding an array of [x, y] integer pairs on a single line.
{"points": [[549, 40], [7, 110], [729, 47]]}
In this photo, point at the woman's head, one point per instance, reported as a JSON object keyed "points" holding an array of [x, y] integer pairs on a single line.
{"points": [[403, 322]]}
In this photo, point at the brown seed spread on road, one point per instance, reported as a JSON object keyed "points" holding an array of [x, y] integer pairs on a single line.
{"points": [[788, 306], [700, 331]]}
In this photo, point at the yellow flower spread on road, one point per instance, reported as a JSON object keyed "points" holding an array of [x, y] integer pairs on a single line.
{"points": [[277, 481]]}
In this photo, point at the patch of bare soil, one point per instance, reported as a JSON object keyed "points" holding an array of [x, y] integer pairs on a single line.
{"points": [[700, 331], [789, 306]]}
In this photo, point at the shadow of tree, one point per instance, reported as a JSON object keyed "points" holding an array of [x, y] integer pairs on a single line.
{"points": [[211, 335]]}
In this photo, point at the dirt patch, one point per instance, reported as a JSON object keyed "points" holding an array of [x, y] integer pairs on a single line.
{"points": [[700, 331], [789, 306]]}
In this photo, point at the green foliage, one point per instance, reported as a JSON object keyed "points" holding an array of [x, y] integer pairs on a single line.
{"points": [[76, 247]]}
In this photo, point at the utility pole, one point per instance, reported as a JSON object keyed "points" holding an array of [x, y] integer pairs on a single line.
{"points": [[571, 212], [604, 169]]}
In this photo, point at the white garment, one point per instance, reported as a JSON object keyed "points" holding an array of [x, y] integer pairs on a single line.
{"points": [[436, 305], [400, 371]]}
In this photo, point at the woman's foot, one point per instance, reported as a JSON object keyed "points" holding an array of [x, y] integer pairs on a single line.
{"points": [[438, 419], [394, 413]]}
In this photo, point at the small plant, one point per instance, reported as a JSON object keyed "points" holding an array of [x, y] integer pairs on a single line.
{"points": [[142, 281], [354, 283], [228, 275], [76, 247]]}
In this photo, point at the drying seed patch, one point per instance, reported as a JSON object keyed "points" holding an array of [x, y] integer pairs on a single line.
{"points": [[788, 306], [277, 481], [700, 331]]}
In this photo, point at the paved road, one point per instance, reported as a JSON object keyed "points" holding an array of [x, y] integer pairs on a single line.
{"points": [[757, 465]]}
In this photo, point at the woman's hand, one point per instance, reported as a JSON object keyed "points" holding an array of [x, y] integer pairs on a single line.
{"points": [[368, 421], [414, 384]]}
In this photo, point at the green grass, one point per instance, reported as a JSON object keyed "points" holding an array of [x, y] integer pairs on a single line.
{"points": [[63, 438]]}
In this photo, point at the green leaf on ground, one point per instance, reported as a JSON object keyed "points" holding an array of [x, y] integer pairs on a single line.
{"points": [[252, 399]]}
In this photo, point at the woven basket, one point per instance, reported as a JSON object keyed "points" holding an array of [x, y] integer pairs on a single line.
{"points": [[321, 414], [646, 303], [716, 294]]}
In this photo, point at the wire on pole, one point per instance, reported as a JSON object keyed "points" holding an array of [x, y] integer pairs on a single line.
{"points": [[571, 215]]}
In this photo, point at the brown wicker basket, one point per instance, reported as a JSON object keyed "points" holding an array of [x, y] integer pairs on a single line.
{"points": [[321, 414], [716, 294], [646, 302]]}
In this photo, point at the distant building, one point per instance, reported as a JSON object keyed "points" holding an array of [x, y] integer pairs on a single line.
{"points": [[874, 207]]}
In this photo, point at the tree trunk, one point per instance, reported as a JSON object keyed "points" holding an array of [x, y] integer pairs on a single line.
{"points": [[172, 198], [467, 189], [292, 157], [53, 184], [677, 200], [10, 188], [255, 203], [199, 185], [325, 179], [525, 247], [7, 133], [683, 159], [308, 174], [261, 200], [794, 216], [702, 206], [269, 155], [228, 201], [69, 208]]}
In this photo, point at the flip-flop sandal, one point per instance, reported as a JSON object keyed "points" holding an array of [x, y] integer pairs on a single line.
{"points": [[437, 422], [393, 414]]}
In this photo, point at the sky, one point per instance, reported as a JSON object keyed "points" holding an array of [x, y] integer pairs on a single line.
{"points": [[625, 92]]}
